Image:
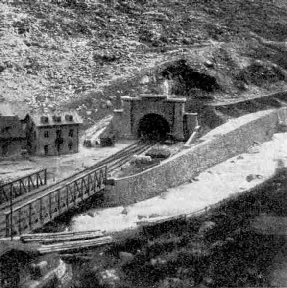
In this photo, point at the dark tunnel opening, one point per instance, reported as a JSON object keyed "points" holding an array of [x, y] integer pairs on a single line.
{"points": [[153, 127]]}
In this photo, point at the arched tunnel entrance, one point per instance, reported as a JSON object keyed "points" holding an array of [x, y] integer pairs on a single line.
{"points": [[153, 127]]}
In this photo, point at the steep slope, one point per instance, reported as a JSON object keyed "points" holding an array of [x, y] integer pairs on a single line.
{"points": [[59, 53]]}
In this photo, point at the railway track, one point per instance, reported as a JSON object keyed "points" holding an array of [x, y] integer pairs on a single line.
{"points": [[112, 162]]}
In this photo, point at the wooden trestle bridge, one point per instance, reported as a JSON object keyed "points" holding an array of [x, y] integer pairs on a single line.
{"points": [[28, 203]]}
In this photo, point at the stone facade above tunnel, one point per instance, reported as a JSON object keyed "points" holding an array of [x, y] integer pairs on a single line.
{"points": [[126, 120]]}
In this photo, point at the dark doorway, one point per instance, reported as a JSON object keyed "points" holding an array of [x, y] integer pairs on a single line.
{"points": [[46, 150], [153, 127], [5, 147]]}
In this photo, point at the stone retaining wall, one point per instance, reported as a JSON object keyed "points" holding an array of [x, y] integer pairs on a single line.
{"points": [[222, 143]]}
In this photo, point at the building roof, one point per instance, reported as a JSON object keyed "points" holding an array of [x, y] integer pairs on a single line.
{"points": [[9, 109], [44, 119]]}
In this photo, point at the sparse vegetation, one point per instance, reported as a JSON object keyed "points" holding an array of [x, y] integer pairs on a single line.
{"points": [[216, 249]]}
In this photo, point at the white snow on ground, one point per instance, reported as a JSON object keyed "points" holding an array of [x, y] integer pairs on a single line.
{"points": [[59, 167], [208, 188]]}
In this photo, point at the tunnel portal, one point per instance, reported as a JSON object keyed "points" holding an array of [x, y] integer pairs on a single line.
{"points": [[154, 117], [153, 127]]}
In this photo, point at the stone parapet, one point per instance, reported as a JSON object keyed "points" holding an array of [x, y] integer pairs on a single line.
{"points": [[228, 140]]}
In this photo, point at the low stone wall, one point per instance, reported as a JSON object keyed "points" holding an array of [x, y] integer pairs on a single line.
{"points": [[222, 143]]}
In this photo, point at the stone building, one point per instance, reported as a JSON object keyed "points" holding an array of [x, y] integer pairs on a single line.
{"points": [[53, 133], [12, 135]]}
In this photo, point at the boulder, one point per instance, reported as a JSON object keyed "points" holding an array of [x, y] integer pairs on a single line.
{"points": [[176, 283], [158, 261], [208, 281], [140, 159], [252, 177], [88, 143], [160, 153], [126, 257], [39, 269], [184, 273], [109, 278], [170, 283], [107, 140], [217, 245], [206, 226]]}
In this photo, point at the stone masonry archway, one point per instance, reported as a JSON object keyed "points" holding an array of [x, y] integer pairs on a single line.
{"points": [[153, 116], [153, 127]]}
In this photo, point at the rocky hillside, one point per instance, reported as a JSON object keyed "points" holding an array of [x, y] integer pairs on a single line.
{"points": [[219, 248], [74, 53]]}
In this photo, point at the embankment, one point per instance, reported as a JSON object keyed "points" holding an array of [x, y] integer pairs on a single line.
{"points": [[218, 248], [228, 140]]}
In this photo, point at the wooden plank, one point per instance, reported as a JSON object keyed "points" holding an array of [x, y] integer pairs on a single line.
{"points": [[66, 233], [74, 245], [61, 238], [158, 220]]}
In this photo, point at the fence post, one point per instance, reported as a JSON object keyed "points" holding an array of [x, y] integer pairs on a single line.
{"points": [[21, 185], [89, 183], [67, 196], [50, 205], [82, 188], [11, 210], [30, 215], [74, 194], [7, 225], [19, 221], [41, 212], [37, 178], [29, 183], [59, 201]]}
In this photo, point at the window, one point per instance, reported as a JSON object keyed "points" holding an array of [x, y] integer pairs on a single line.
{"points": [[70, 145], [44, 119], [69, 117], [71, 132], [59, 133], [57, 118], [46, 134], [5, 130]]}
